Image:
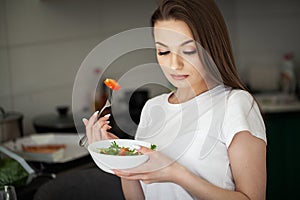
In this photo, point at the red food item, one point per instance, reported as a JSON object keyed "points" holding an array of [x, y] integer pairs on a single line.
{"points": [[112, 84], [47, 148], [123, 151]]}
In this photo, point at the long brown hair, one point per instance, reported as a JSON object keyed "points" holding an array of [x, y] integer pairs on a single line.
{"points": [[209, 30]]}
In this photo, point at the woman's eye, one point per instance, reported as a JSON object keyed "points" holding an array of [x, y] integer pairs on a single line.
{"points": [[190, 52], [162, 53]]}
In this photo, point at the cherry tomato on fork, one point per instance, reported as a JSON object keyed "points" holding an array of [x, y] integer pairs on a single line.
{"points": [[112, 84]]}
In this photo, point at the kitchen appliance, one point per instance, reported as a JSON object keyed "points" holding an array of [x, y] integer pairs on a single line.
{"points": [[11, 125], [60, 122]]}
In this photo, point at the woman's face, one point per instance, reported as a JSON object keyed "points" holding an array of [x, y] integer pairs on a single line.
{"points": [[177, 55]]}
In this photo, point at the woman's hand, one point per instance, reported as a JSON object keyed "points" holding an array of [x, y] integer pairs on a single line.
{"points": [[97, 129], [159, 168]]}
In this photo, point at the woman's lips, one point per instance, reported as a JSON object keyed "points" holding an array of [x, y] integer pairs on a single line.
{"points": [[179, 77]]}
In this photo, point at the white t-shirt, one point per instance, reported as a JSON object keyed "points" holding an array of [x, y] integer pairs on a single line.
{"points": [[197, 134]]}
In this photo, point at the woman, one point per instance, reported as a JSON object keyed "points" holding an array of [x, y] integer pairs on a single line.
{"points": [[210, 127]]}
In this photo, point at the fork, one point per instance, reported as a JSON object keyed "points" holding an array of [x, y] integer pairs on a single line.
{"points": [[83, 140]]}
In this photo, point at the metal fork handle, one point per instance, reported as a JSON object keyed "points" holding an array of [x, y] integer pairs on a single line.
{"points": [[83, 140]]}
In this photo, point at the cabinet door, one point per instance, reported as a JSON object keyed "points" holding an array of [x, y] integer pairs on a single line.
{"points": [[292, 156], [283, 150]]}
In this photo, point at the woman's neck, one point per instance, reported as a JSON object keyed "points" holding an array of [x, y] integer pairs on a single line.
{"points": [[182, 95]]}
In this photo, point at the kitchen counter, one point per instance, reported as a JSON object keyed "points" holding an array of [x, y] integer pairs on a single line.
{"points": [[278, 103], [280, 108]]}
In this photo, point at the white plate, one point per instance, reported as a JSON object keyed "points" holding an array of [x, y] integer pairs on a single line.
{"points": [[71, 152]]}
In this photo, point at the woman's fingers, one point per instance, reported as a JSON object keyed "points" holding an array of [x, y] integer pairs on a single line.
{"points": [[89, 127], [100, 130], [96, 128], [144, 150], [93, 119], [111, 136], [85, 121]]}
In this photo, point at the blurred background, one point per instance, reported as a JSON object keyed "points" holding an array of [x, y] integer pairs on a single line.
{"points": [[44, 42]]}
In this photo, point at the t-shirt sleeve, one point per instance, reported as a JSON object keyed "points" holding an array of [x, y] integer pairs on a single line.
{"points": [[242, 114]]}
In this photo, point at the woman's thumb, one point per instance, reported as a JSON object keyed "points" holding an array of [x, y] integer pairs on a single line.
{"points": [[143, 149]]}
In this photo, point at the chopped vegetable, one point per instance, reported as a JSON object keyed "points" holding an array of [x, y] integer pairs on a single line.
{"points": [[115, 149], [12, 173], [153, 147], [112, 84]]}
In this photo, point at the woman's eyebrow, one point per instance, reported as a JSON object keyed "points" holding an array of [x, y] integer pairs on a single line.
{"points": [[186, 42], [182, 44], [161, 44]]}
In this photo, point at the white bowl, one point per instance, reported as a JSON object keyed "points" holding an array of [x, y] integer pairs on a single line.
{"points": [[108, 162]]}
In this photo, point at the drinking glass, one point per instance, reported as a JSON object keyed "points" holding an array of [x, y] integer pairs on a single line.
{"points": [[8, 193]]}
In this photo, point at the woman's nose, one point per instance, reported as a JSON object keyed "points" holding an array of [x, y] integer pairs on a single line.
{"points": [[176, 61]]}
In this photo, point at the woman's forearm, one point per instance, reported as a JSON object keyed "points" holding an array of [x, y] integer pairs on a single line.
{"points": [[132, 190], [201, 189]]}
